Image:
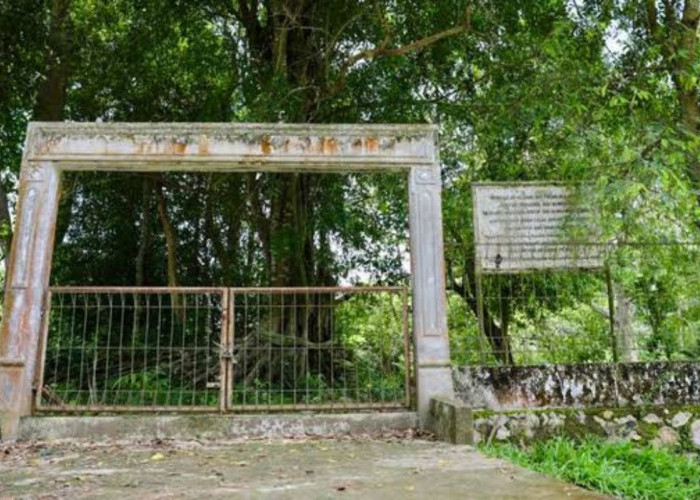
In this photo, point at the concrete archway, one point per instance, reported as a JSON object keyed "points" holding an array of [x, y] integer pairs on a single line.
{"points": [[52, 148]]}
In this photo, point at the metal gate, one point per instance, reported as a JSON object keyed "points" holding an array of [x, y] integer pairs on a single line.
{"points": [[126, 349]]}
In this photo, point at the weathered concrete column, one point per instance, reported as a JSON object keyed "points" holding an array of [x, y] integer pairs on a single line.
{"points": [[27, 281], [432, 347]]}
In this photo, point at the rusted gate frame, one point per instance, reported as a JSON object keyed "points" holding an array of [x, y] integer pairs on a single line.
{"points": [[226, 359]]}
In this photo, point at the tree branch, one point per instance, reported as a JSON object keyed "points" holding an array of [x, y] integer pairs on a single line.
{"points": [[382, 50], [652, 23], [169, 232]]}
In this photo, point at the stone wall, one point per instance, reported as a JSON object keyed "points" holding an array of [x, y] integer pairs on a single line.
{"points": [[657, 426], [578, 386]]}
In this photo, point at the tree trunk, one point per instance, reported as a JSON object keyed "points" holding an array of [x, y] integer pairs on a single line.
{"points": [[144, 232], [679, 48], [687, 54], [290, 46], [171, 247], [625, 336], [169, 232], [52, 92], [49, 104], [50, 99], [685, 77], [496, 334]]}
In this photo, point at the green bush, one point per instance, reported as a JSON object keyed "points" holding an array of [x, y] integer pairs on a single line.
{"points": [[620, 469]]}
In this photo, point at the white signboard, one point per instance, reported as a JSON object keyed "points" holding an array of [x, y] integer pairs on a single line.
{"points": [[521, 227]]}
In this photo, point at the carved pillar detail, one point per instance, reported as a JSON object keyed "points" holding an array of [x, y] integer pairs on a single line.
{"points": [[432, 348]]}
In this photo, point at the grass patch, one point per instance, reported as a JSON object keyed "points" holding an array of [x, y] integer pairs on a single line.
{"points": [[620, 469]]}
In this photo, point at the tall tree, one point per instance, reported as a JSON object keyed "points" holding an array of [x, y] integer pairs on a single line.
{"points": [[23, 37], [670, 29]]}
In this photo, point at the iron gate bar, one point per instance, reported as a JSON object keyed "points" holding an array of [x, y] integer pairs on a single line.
{"points": [[41, 350], [227, 364], [406, 347], [324, 407], [125, 409], [136, 289], [321, 289]]}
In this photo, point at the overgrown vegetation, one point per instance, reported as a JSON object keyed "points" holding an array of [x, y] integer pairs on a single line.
{"points": [[620, 469], [589, 92]]}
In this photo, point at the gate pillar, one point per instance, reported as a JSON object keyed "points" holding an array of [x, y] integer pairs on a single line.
{"points": [[28, 275], [431, 341]]}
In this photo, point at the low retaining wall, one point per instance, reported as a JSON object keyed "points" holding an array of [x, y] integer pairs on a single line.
{"points": [[656, 402], [214, 426], [578, 386], [657, 426]]}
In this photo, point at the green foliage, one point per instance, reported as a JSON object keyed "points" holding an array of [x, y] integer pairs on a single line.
{"points": [[620, 469], [587, 92], [467, 346], [370, 327]]}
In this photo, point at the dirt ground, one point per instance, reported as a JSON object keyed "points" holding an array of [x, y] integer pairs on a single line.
{"points": [[394, 467]]}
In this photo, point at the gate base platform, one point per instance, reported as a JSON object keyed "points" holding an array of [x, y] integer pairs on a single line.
{"points": [[132, 427]]}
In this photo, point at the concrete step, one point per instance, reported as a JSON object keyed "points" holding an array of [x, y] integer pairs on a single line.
{"points": [[204, 426]]}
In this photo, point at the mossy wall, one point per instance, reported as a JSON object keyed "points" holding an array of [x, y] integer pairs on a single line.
{"points": [[578, 386], [655, 425]]}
